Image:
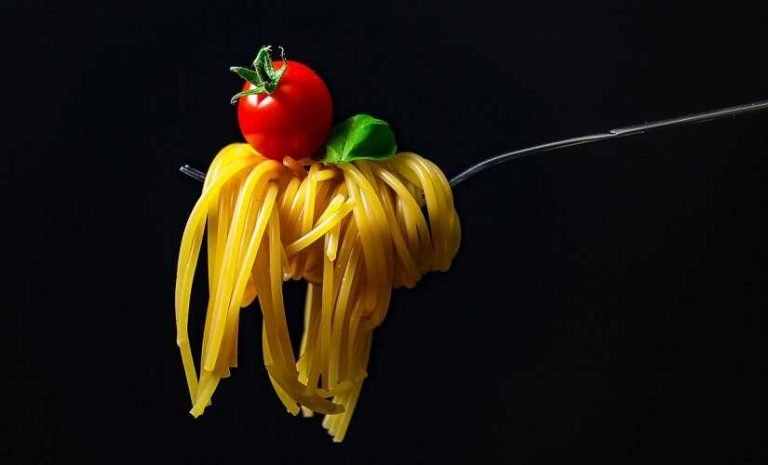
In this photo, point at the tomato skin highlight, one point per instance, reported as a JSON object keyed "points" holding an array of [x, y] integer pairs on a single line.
{"points": [[294, 120]]}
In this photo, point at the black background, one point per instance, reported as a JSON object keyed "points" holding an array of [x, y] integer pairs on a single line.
{"points": [[608, 304]]}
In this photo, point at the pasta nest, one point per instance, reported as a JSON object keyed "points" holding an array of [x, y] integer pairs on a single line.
{"points": [[353, 231]]}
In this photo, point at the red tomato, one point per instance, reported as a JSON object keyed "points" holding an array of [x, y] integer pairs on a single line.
{"points": [[294, 120]]}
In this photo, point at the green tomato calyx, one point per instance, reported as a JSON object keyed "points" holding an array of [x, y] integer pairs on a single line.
{"points": [[263, 76]]}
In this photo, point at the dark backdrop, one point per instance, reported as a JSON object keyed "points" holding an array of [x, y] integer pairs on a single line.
{"points": [[608, 304]]}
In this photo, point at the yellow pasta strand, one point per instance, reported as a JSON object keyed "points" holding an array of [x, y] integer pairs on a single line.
{"points": [[353, 231]]}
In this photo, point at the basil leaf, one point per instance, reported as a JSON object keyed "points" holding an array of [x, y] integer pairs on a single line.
{"points": [[361, 137]]}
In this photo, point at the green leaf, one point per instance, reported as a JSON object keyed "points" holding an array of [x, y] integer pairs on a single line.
{"points": [[361, 137]]}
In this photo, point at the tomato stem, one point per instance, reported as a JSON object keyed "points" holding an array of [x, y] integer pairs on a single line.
{"points": [[263, 76]]}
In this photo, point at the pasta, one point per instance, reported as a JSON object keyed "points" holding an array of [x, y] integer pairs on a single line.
{"points": [[353, 231]]}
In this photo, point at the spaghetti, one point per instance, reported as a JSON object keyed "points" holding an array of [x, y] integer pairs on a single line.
{"points": [[353, 231]]}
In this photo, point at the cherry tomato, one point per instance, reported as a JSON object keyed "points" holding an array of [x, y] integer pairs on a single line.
{"points": [[294, 120]]}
